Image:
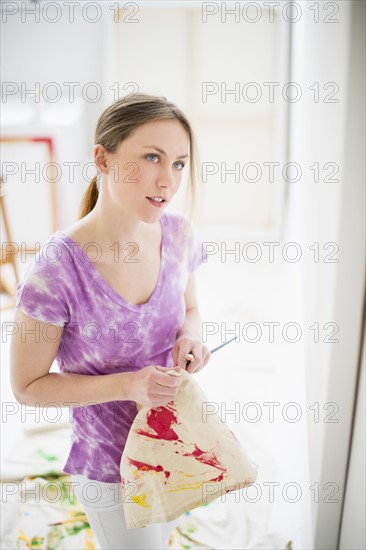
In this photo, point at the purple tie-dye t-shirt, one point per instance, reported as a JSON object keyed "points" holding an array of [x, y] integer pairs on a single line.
{"points": [[104, 334]]}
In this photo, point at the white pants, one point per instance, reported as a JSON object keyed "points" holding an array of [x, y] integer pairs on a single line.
{"points": [[103, 505]]}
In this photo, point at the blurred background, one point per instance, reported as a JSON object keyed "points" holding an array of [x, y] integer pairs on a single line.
{"points": [[275, 92]]}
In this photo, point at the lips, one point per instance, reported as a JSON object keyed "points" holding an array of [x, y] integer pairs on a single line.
{"points": [[157, 204], [158, 197]]}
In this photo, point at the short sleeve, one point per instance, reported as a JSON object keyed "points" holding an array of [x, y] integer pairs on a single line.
{"points": [[198, 254], [43, 292]]}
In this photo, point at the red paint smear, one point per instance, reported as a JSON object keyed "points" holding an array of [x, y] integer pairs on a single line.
{"points": [[206, 458], [160, 420], [218, 478], [144, 466]]}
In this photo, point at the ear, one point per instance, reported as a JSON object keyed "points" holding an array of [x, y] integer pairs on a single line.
{"points": [[100, 158]]}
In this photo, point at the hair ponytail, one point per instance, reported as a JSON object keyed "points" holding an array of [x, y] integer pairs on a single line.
{"points": [[89, 199]]}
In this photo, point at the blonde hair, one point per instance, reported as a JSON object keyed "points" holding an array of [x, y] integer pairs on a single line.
{"points": [[117, 122]]}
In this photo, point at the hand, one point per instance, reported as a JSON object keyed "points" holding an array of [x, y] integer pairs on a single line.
{"points": [[190, 344], [152, 386]]}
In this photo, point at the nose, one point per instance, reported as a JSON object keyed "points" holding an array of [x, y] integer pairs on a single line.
{"points": [[166, 178]]}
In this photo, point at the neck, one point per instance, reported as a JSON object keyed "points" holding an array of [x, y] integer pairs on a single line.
{"points": [[112, 230]]}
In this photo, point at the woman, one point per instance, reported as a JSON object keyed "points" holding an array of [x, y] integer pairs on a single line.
{"points": [[112, 298]]}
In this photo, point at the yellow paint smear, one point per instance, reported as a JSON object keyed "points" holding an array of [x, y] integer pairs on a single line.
{"points": [[89, 544], [140, 473], [196, 485], [24, 538], [140, 500]]}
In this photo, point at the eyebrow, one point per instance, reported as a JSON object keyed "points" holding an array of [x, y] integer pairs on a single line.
{"points": [[163, 152]]}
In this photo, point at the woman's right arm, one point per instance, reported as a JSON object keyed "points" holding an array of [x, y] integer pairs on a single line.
{"points": [[31, 358]]}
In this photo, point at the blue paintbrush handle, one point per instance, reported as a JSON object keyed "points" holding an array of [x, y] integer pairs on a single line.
{"points": [[190, 356]]}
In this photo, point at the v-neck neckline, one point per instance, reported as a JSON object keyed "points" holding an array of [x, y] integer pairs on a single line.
{"points": [[106, 287]]}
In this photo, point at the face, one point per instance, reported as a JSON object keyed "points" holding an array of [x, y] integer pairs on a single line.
{"points": [[149, 163]]}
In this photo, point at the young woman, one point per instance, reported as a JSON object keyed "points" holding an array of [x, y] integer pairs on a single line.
{"points": [[112, 299]]}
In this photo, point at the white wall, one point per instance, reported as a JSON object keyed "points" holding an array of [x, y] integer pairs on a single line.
{"points": [[330, 212], [353, 519], [36, 53], [170, 51], [165, 49]]}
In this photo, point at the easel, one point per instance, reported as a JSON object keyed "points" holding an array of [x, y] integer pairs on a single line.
{"points": [[7, 257]]}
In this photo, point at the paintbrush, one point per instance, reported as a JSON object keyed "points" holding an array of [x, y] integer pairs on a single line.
{"points": [[82, 518], [190, 356]]}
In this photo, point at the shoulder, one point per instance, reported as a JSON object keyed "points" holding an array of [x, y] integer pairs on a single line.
{"points": [[187, 240], [51, 266], [77, 231], [44, 291]]}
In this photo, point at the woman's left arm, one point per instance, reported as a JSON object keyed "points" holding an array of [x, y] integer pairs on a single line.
{"points": [[189, 336]]}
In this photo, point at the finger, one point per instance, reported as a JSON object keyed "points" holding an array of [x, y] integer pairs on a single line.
{"points": [[167, 393], [184, 350], [167, 380], [197, 354], [162, 369], [204, 362], [174, 354], [207, 358], [175, 371], [206, 355]]}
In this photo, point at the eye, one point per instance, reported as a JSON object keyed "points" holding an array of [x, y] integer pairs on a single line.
{"points": [[157, 156], [181, 163], [151, 155]]}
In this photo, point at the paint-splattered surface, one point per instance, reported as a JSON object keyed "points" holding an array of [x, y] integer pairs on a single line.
{"points": [[42, 515], [36, 492], [27, 522], [177, 459]]}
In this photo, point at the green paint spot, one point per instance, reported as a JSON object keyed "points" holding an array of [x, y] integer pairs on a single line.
{"points": [[40, 453], [75, 529], [36, 542], [191, 527], [55, 537]]}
